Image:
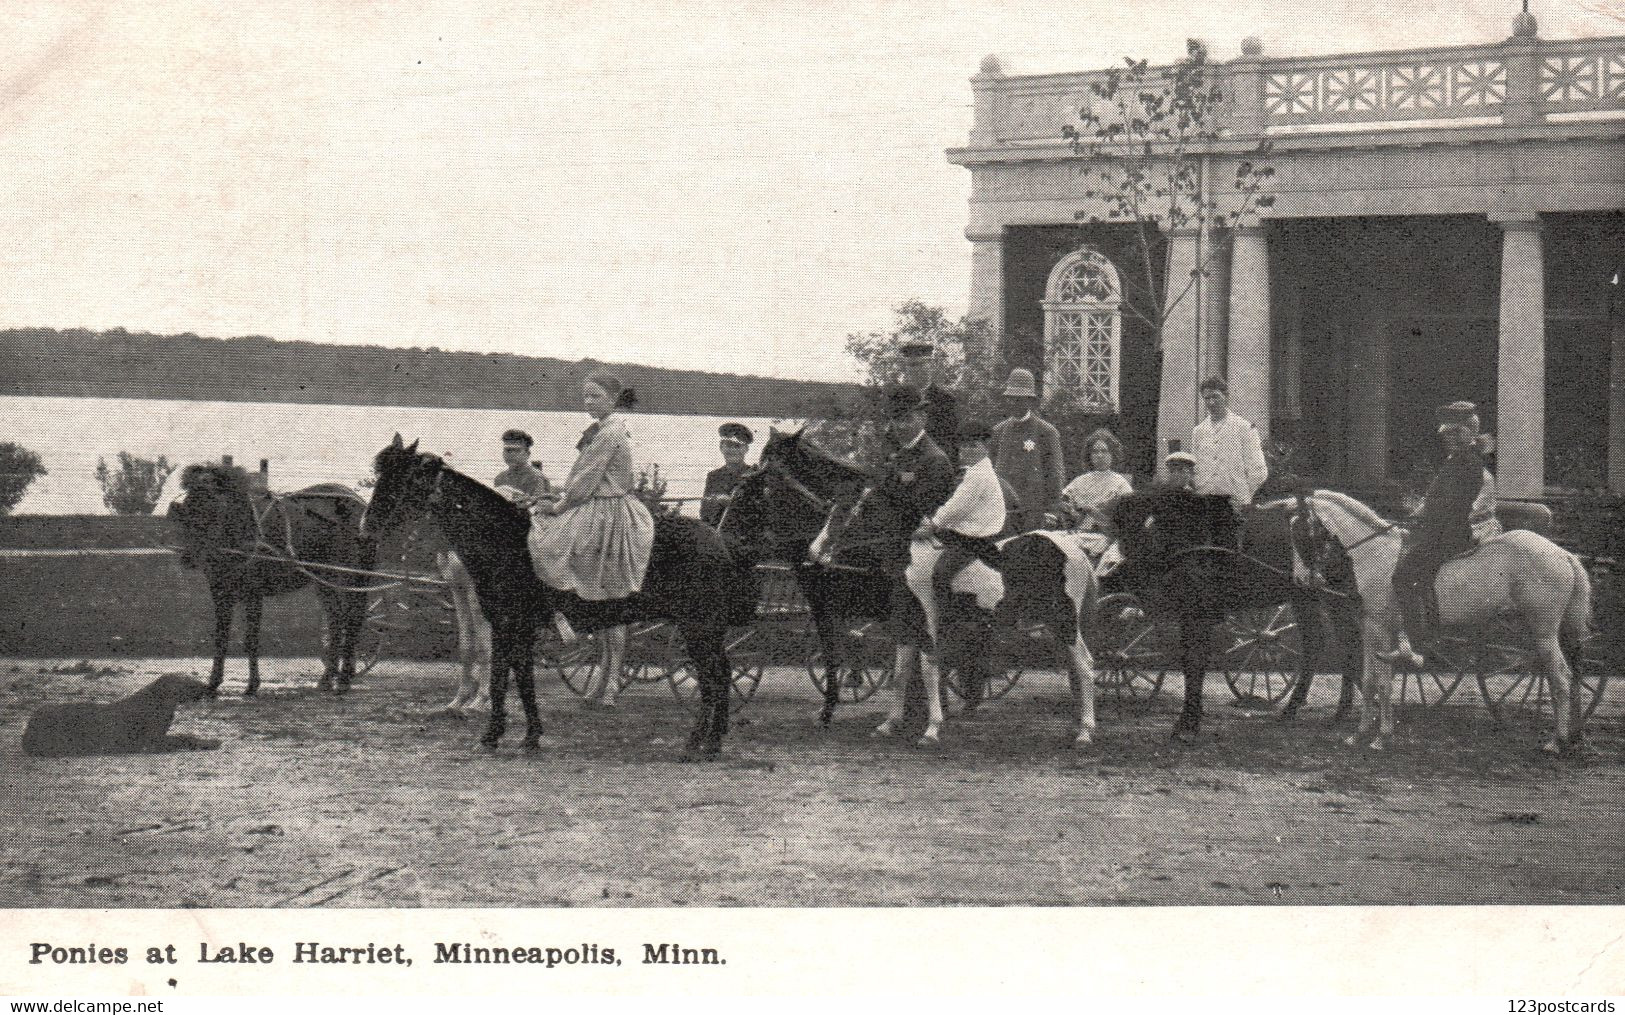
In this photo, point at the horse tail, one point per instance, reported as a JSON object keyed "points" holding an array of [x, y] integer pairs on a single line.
{"points": [[1576, 627]]}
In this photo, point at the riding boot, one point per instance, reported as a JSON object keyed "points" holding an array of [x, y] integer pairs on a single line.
{"points": [[1413, 613]]}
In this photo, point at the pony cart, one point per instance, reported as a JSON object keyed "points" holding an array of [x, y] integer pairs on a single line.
{"points": [[655, 655], [409, 609]]}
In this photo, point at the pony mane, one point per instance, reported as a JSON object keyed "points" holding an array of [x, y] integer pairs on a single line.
{"points": [[1354, 507], [231, 478]]}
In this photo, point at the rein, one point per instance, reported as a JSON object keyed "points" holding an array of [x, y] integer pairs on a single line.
{"points": [[823, 504], [287, 555], [1249, 558]]}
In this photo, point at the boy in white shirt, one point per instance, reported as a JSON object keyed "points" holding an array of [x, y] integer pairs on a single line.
{"points": [[973, 516]]}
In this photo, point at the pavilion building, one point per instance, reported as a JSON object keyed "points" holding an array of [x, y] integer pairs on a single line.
{"points": [[1447, 223]]}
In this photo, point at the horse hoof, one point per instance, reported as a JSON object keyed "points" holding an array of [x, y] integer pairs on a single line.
{"points": [[927, 739], [885, 729], [1083, 739], [1287, 714], [251, 691], [324, 684], [531, 745], [1552, 747], [1351, 741], [1183, 733], [1379, 744]]}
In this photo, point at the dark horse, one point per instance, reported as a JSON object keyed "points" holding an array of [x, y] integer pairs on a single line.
{"points": [[693, 580], [799, 488], [780, 507], [251, 546], [1180, 553]]}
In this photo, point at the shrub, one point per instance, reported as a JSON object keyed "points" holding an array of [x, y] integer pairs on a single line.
{"points": [[19, 467], [135, 487], [650, 487]]}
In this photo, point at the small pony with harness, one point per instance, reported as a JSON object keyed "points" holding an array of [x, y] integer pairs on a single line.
{"points": [[250, 546]]}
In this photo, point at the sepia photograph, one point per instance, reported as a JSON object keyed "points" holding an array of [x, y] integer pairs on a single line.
{"points": [[658, 457]]}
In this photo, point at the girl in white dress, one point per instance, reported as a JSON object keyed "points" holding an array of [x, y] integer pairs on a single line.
{"points": [[1097, 489], [595, 539]]}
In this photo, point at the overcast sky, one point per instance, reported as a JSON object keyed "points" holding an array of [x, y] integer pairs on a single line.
{"points": [[698, 185]]}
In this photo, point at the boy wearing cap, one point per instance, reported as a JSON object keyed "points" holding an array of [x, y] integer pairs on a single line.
{"points": [[720, 482], [1026, 453], [1181, 466], [520, 474], [1442, 526], [967, 524], [941, 410]]}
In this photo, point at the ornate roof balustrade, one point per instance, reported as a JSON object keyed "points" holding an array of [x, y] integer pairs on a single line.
{"points": [[1524, 80]]}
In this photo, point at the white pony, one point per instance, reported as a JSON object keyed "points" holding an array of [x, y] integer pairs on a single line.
{"points": [[473, 639], [1521, 575]]}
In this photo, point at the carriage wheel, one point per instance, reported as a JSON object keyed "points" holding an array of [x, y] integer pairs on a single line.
{"points": [[1446, 663], [653, 651], [389, 613], [1131, 652], [748, 666], [1510, 677], [1013, 650], [1261, 662], [870, 660]]}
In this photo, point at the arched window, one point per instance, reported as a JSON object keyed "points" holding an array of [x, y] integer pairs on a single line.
{"points": [[1083, 327]]}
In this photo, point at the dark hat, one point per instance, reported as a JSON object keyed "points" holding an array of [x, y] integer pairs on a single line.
{"points": [[914, 350], [976, 428], [898, 400], [1457, 414], [738, 433]]}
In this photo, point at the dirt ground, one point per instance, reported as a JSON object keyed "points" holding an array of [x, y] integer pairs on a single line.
{"points": [[363, 801]]}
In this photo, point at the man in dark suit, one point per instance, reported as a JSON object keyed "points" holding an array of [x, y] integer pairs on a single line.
{"points": [[1440, 529], [941, 408], [916, 480], [720, 482]]}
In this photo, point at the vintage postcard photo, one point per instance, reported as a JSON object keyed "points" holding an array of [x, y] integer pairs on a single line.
{"points": [[1160, 461]]}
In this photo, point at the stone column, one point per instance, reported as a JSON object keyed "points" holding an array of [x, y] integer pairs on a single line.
{"points": [[1616, 394], [1176, 407], [1248, 359], [1215, 311], [1521, 376], [1368, 394], [987, 103], [987, 281]]}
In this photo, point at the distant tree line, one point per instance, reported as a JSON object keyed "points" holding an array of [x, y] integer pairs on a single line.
{"points": [[122, 364]]}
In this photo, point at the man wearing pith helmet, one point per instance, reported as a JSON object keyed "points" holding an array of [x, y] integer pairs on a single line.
{"points": [[1026, 453], [720, 482], [941, 409], [1442, 527]]}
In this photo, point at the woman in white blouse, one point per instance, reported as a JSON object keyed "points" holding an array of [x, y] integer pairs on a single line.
{"points": [[1097, 489]]}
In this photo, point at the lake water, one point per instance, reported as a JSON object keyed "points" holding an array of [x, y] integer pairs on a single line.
{"points": [[319, 443]]}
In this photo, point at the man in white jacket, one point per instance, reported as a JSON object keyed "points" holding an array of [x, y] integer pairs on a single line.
{"points": [[1229, 454]]}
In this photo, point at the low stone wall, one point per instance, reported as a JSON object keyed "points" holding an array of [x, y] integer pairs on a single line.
{"points": [[100, 602]]}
